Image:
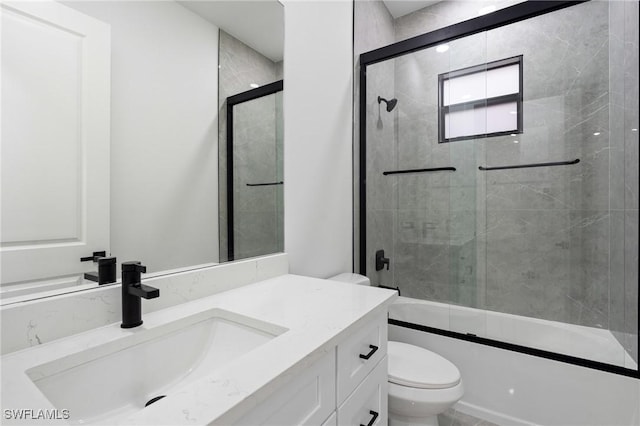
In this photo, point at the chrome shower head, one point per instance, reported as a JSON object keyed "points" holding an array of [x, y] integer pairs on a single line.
{"points": [[391, 104]]}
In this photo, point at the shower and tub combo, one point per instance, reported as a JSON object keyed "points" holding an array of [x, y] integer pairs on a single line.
{"points": [[502, 184]]}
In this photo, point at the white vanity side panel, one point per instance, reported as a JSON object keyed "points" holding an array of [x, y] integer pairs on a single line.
{"points": [[307, 400], [34, 322]]}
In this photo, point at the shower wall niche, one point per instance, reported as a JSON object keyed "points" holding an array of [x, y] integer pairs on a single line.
{"points": [[539, 223]]}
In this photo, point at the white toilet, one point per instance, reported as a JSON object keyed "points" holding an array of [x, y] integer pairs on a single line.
{"points": [[422, 384]]}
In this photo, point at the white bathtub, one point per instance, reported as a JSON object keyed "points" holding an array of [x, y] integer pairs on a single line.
{"points": [[579, 341], [515, 389]]}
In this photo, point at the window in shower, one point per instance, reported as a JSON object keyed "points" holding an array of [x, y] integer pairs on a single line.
{"points": [[482, 100]]}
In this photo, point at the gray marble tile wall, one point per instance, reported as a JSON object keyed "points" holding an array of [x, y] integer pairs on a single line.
{"points": [[631, 167], [436, 225], [548, 229], [382, 193], [255, 161], [373, 28], [558, 243], [258, 221], [623, 70]]}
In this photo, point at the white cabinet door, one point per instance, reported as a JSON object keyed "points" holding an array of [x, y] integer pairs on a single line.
{"points": [[359, 354], [309, 399], [368, 404], [55, 140]]}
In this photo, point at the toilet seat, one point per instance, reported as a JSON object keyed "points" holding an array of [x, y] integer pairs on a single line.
{"points": [[416, 367]]}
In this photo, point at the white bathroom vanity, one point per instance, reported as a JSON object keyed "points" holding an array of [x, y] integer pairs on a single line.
{"points": [[287, 350]]}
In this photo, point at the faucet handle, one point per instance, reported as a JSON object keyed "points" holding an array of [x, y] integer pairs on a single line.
{"points": [[95, 257], [133, 266], [144, 291]]}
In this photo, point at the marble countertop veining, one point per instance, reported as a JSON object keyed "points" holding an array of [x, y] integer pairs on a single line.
{"points": [[316, 313]]}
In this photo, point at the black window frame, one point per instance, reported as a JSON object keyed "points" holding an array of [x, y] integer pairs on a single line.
{"points": [[480, 103]]}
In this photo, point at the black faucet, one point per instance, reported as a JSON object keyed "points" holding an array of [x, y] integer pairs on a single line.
{"points": [[106, 268], [132, 291]]}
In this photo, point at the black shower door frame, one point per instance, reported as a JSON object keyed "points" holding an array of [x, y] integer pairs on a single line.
{"points": [[232, 101], [499, 18]]}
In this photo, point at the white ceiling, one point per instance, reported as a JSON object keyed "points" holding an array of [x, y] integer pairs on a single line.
{"points": [[399, 8], [258, 23]]}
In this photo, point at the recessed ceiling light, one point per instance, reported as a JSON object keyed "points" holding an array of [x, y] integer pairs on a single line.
{"points": [[596, 134], [634, 130], [515, 142], [442, 48], [513, 134], [487, 9], [254, 85], [513, 112]]}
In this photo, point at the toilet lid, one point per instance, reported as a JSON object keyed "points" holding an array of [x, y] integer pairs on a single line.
{"points": [[417, 367]]}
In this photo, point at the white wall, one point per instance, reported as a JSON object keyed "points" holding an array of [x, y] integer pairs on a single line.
{"points": [[164, 127], [317, 133]]}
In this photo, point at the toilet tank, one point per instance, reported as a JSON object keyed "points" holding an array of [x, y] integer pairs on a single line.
{"points": [[351, 278]]}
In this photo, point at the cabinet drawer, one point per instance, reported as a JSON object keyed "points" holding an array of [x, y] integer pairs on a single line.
{"points": [[359, 354], [368, 404], [308, 399]]}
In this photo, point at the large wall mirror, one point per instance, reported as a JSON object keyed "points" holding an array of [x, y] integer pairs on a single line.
{"points": [[114, 138]]}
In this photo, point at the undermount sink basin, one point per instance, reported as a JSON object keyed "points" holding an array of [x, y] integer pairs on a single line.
{"points": [[116, 379]]}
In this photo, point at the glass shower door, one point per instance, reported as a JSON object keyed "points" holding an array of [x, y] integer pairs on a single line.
{"points": [[421, 190], [257, 177], [502, 183]]}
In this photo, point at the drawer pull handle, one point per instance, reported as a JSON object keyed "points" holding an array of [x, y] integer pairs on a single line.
{"points": [[373, 419], [373, 350]]}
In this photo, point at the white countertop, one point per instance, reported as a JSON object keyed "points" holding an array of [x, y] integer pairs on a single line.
{"points": [[317, 314]]}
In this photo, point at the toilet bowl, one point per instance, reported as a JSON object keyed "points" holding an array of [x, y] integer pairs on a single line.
{"points": [[422, 384]]}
